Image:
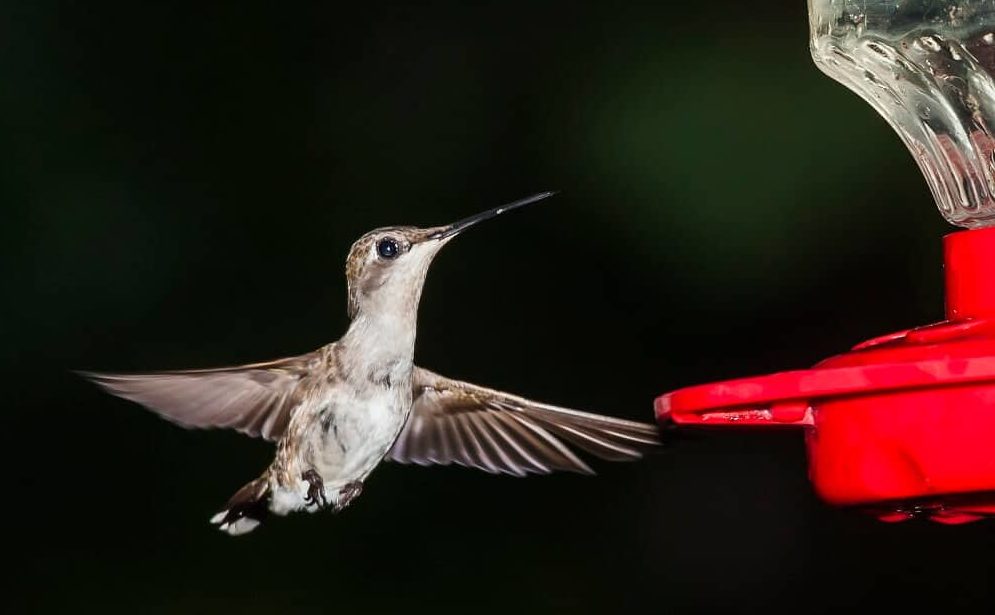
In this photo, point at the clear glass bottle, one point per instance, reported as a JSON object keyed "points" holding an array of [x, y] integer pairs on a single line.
{"points": [[927, 67]]}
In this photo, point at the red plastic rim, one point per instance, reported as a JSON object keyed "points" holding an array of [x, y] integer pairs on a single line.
{"points": [[904, 423]]}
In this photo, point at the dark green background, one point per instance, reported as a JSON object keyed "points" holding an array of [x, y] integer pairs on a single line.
{"points": [[180, 184]]}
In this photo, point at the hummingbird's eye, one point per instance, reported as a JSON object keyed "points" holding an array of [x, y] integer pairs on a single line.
{"points": [[387, 248]]}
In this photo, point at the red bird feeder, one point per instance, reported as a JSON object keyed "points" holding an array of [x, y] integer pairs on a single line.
{"points": [[903, 424]]}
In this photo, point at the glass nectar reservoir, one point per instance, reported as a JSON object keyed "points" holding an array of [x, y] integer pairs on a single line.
{"points": [[927, 67]]}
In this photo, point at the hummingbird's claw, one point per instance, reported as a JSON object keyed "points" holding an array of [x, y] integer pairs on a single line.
{"points": [[316, 490], [349, 492]]}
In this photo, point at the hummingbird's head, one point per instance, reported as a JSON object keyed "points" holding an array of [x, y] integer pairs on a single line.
{"points": [[386, 268]]}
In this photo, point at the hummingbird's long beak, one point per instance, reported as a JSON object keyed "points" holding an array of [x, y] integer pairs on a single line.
{"points": [[458, 227]]}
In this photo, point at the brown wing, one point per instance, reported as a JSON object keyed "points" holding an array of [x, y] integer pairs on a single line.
{"points": [[458, 422], [255, 399]]}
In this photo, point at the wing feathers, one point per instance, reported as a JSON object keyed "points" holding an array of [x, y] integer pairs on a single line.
{"points": [[457, 422], [255, 399], [592, 442], [523, 442], [450, 422], [559, 456], [474, 454]]}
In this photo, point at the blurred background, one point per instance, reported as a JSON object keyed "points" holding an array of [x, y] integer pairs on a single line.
{"points": [[181, 182]]}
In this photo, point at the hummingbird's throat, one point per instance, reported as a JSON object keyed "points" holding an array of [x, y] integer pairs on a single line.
{"points": [[379, 342]]}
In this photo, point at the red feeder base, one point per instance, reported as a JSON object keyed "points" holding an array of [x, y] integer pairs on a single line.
{"points": [[903, 424]]}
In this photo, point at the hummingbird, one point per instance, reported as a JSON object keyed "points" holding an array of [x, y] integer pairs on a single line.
{"points": [[337, 412]]}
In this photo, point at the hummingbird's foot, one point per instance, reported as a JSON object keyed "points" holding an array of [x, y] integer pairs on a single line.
{"points": [[349, 492], [316, 490]]}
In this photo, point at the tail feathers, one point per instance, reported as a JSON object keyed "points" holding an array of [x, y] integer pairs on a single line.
{"points": [[246, 509]]}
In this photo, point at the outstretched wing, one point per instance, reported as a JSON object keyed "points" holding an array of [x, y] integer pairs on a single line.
{"points": [[255, 399], [458, 422]]}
